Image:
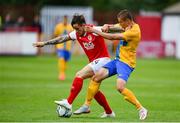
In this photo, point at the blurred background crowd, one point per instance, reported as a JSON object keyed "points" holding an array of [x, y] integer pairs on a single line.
{"points": [[24, 21]]}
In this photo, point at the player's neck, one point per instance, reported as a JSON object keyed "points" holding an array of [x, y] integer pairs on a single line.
{"points": [[130, 25], [65, 24]]}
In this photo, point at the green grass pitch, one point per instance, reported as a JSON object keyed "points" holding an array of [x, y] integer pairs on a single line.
{"points": [[29, 86]]}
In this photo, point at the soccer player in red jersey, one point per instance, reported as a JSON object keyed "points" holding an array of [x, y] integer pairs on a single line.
{"points": [[97, 53]]}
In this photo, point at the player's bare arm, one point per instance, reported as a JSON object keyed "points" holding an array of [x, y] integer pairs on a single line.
{"points": [[111, 28], [116, 36], [57, 40], [115, 29]]}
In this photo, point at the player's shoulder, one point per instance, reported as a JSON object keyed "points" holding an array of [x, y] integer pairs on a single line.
{"points": [[59, 25], [136, 26], [70, 27]]}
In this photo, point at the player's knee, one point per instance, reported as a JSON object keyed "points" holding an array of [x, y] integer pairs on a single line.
{"points": [[120, 85], [120, 88], [97, 78], [78, 74]]}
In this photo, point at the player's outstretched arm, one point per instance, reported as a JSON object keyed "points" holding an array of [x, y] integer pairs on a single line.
{"points": [[115, 29], [116, 36], [57, 40], [111, 28]]}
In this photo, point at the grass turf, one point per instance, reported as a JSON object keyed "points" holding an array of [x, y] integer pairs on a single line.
{"points": [[29, 85]]}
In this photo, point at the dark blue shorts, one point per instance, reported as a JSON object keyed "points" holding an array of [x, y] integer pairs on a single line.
{"points": [[122, 70], [64, 54]]}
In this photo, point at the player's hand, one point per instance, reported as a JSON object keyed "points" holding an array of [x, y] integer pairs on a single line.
{"points": [[105, 28], [89, 29], [39, 44]]}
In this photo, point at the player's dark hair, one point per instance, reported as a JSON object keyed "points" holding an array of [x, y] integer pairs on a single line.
{"points": [[125, 14], [78, 19]]}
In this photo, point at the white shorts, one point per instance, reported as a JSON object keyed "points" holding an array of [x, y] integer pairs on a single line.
{"points": [[98, 63]]}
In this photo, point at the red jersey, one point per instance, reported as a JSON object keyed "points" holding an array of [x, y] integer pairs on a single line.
{"points": [[92, 44]]}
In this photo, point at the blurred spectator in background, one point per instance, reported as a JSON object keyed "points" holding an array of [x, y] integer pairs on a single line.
{"points": [[0, 22], [19, 23], [38, 27], [36, 24], [63, 50], [8, 22]]}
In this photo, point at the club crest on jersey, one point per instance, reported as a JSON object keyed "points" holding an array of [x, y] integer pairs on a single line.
{"points": [[89, 37], [88, 45]]}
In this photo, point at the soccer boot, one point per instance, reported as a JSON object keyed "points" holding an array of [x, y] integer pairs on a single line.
{"points": [[82, 110], [64, 103], [143, 113], [104, 115]]}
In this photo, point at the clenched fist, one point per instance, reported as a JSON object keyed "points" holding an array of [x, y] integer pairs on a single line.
{"points": [[39, 44]]}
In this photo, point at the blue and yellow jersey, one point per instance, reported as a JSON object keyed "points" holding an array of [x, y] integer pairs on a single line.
{"points": [[126, 50], [62, 29]]}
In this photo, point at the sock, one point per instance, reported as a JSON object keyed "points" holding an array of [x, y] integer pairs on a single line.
{"points": [[75, 89], [92, 90], [130, 97], [101, 99], [62, 66]]}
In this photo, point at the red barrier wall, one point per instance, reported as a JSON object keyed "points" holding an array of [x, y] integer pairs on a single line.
{"points": [[150, 27]]}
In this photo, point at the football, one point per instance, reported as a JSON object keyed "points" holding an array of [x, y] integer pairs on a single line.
{"points": [[63, 112]]}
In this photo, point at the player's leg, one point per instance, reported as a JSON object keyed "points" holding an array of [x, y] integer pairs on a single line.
{"points": [[99, 97], [102, 73], [77, 84], [94, 85], [66, 57], [107, 70], [61, 64], [93, 88], [128, 94], [93, 92], [130, 97], [123, 73]]}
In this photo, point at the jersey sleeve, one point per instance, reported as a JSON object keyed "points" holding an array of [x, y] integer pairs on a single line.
{"points": [[72, 35], [129, 34]]}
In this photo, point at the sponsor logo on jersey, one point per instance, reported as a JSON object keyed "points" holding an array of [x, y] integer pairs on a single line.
{"points": [[88, 45]]}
